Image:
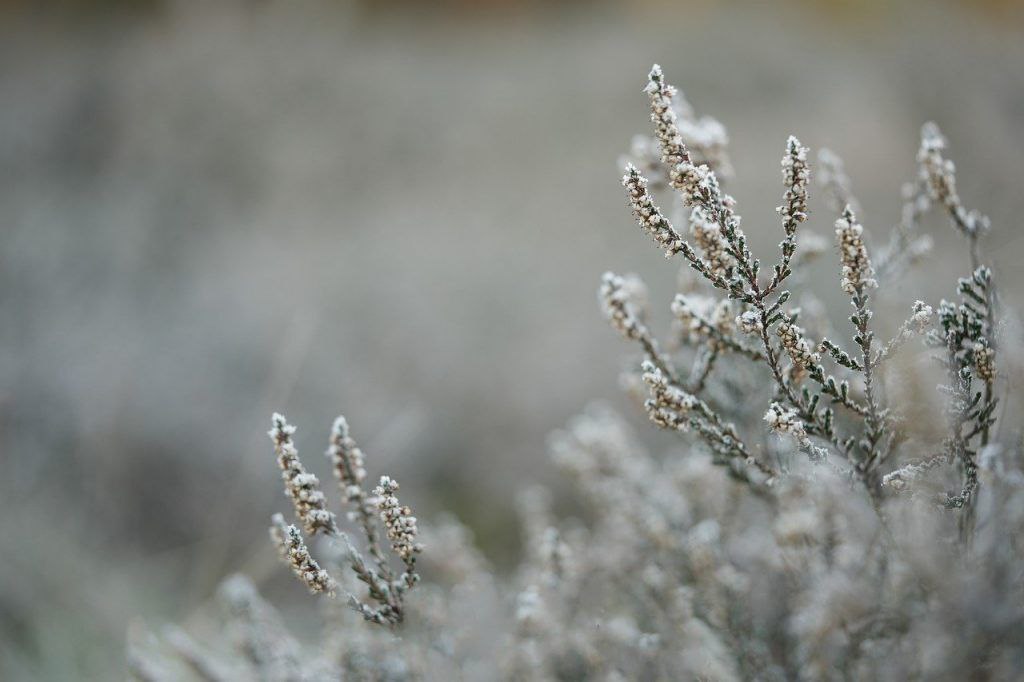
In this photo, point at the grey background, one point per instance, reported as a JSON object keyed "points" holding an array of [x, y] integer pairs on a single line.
{"points": [[209, 211]]}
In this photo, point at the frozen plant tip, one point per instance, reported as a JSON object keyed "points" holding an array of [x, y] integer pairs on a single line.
{"points": [[648, 215], [293, 550], [303, 488], [399, 523], [857, 271], [386, 590], [842, 412]]}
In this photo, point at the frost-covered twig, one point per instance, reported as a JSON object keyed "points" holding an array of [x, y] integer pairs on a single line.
{"points": [[385, 590], [303, 488], [723, 258]]}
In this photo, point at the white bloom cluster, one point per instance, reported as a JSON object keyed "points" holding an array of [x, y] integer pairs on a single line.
{"points": [[749, 322], [293, 550], [708, 236], [939, 174], [619, 296], [399, 523], [857, 270], [663, 115], [795, 176], [648, 215], [303, 488], [781, 420], [698, 184], [347, 459], [984, 362], [678, 131], [797, 346], [919, 322], [669, 405], [703, 318], [921, 318]]}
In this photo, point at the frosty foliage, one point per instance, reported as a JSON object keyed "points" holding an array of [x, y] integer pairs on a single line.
{"points": [[805, 530]]}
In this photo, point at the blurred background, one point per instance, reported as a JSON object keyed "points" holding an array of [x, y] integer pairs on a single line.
{"points": [[399, 211]]}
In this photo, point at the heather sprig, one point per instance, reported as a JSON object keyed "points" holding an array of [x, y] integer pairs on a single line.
{"points": [[805, 562], [303, 488], [385, 589], [866, 434]]}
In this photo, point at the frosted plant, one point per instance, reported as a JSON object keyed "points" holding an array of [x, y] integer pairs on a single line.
{"points": [[856, 534], [808, 394], [386, 589]]}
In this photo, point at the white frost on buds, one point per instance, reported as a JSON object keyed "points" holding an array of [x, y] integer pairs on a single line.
{"points": [[939, 173], [783, 421], [708, 236], [984, 362], [919, 322], [669, 405], [796, 175], [787, 422], [663, 115], [749, 322], [399, 523], [921, 319], [703, 318], [347, 459], [649, 216], [857, 270], [796, 345], [293, 550], [697, 182], [303, 488], [903, 478], [622, 299]]}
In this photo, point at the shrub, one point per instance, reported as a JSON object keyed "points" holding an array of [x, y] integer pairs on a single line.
{"points": [[824, 523]]}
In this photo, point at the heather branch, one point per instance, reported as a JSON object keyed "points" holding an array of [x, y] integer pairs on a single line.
{"points": [[858, 278], [672, 407], [347, 458], [917, 324], [293, 550], [796, 175], [623, 313], [940, 174], [702, 319], [903, 479], [700, 189], [303, 488], [310, 507], [698, 185]]}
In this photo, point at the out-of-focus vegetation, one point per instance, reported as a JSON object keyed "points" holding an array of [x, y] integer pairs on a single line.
{"points": [[210, 212]]}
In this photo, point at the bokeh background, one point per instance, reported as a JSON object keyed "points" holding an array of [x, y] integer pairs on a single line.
{"points": [[399, 211]]}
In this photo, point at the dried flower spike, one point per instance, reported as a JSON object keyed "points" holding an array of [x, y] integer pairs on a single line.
{"points": [[857, 271], [399, 522], [303, 488]]}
